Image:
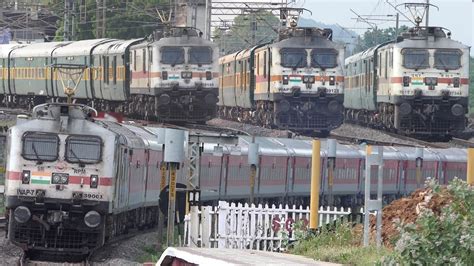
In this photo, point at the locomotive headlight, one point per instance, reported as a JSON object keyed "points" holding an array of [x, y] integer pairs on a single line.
{"points": [[186, 74], [406, 81], [457, 109], [94, 181], [332, 80], [208, 75], [311, 79], [22, 214], [305, 79], [456, 82], [25, 177], [210, 98], [285, 80], [431, 81], [92, 219], [60, 178], [164, 75]]}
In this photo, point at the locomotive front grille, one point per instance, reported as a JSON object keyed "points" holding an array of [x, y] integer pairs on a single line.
{"points": [[439, 125], [317, 121], [33, 235]]}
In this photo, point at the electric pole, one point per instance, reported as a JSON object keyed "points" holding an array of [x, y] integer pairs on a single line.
{"points": [[427, 12]]}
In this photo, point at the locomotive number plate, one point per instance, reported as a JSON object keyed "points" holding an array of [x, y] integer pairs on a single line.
{"points": [[91, 196]]}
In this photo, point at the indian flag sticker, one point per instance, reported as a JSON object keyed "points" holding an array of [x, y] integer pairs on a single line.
{"points": [[295, 79], [41, 178], [417, 81]]}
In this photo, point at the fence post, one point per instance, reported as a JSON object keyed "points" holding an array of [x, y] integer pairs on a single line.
{"points": [[206, 227], [194, 230], [222, 213]]}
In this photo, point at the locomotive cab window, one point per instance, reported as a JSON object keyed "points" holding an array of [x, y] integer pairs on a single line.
{"points": [[447, 59], [172, 55], [200, 55], [323, 58], [415, 58], [293, 58], [83, 149], [38, 146]]}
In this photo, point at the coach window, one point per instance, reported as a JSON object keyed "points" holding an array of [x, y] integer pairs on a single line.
{"points": [[144, 60], [135, 60], [293, 58], [172, 55], [265, 64], [447, 59], [83, 149], [114, 66], [323, 58], [415, 58], [40, 146], [200, 55]]}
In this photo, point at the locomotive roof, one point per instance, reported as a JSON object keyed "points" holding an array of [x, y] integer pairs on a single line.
{"points": [[303, 148], [114, 47], [38, 49], [126, 136], [80, 47], [5, 49], [149, 138]]}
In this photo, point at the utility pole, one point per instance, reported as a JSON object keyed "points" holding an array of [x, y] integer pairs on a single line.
{"points": [[100, 17], [427, 13], [66, 20]]}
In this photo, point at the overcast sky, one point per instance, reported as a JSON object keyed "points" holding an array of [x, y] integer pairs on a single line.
{"points": [[456, 15]]}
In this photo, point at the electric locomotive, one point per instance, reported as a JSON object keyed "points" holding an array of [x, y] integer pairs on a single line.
{"points": [[296, 83], [171, 76], [417, 85], [73, 182]]}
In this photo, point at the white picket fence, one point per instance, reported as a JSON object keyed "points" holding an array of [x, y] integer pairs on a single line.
{"points": [[261, 227]]}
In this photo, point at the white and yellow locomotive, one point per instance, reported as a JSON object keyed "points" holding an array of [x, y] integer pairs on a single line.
{"points": [[73, 182], [296, 83], [416, 85]]}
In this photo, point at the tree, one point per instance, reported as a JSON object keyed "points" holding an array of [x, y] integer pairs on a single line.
{"points": [[247, 30], [125, 19], [376, 36]]}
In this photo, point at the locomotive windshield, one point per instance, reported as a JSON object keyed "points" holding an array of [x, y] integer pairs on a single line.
{"points": [[447, 59], [38, 146], [83, 149], [323, 58], [200, 55], [293, 58], [416, 58], [172, 55]]}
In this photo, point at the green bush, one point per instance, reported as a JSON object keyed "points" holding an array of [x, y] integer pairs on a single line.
{"points": [[341, 245], [439, 239]]}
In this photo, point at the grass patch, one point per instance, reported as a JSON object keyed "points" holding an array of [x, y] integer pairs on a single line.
{"points": [[339, 246], [151, 254]]}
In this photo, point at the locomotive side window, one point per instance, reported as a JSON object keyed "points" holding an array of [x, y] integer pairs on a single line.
{"points": [[415, 58], [323, 58], [172, 55], [447, 59], [200, 55], [83, 149], [293, 58], [39, 146]]}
